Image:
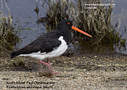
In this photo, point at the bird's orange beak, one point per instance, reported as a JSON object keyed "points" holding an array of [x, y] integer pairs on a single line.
{"points": [[76, 29]]}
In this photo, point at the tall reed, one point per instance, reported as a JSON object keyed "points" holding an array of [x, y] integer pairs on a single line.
{"points": [[8, 36]]}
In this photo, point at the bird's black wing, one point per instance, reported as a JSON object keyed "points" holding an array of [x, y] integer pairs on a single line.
{"points": [[49, 45], [40, 44]]}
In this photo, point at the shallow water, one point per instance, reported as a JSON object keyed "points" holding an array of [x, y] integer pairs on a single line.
{"points": [[25, 17], [120, 14]]}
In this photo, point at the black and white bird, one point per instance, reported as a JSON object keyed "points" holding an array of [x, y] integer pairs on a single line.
{"points": [[52, 44]]}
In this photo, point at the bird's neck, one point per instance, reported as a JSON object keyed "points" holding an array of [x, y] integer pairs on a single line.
{"points": [[66, 35]]}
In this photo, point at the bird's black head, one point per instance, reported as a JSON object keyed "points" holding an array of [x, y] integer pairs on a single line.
{"points": [[64, 24]]}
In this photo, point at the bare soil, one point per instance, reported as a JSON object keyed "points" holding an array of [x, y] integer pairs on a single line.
{"points": [[78, 72]]}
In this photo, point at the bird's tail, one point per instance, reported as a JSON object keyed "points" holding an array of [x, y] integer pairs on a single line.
{"points": [[14, 54]]}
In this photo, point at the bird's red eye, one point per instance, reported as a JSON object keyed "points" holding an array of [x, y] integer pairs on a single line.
{"points": [[68, 23]]}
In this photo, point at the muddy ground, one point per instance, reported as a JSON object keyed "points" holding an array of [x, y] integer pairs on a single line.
{"points": [[77, 72]]}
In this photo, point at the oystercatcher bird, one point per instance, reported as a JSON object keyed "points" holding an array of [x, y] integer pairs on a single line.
{"points": [[52, 44]]}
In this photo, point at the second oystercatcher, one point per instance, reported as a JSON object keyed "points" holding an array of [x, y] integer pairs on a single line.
{"points": [[52, 44]]}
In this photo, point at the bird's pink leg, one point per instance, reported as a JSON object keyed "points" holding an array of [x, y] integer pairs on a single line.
{"points": [[49, 65], [48, 62]]}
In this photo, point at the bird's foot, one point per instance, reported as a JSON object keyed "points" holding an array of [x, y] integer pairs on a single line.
{"points": [[56, 73], [49, 66]]}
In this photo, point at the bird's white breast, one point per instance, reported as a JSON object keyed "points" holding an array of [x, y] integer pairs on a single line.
{"points": [[55, 53]]}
